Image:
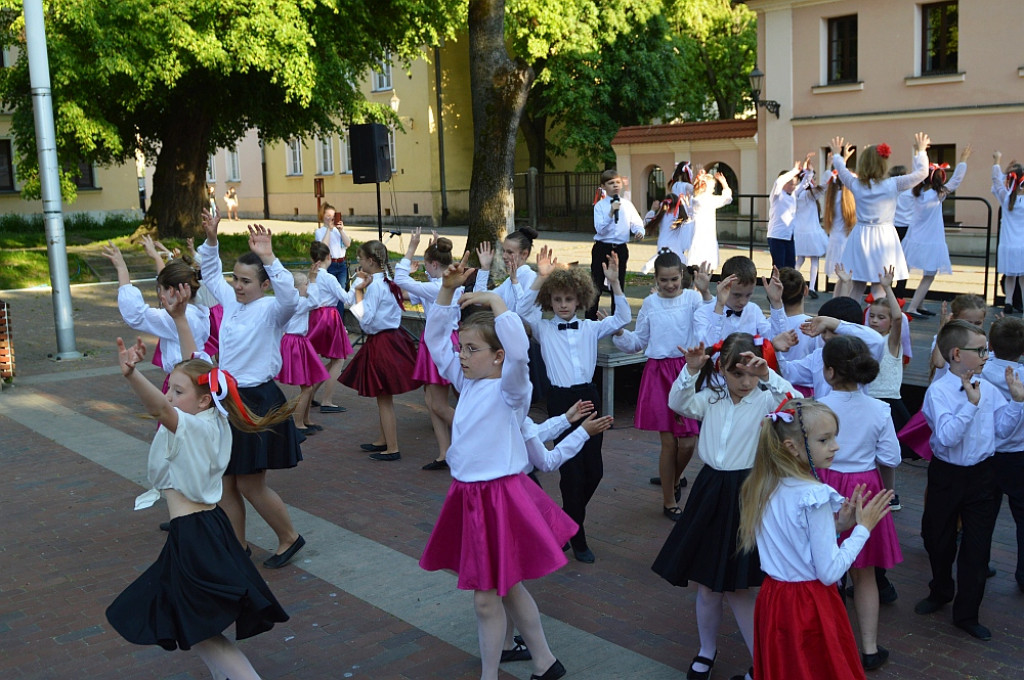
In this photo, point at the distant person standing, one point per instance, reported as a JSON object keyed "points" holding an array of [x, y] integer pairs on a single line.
{"points": [[615, 221], [211, 196], [231, 203], [331, 233]]}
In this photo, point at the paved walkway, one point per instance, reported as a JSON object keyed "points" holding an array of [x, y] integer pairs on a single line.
{"points": [[73, 444]]}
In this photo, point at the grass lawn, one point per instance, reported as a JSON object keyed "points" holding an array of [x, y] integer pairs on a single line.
{"points": [[27, 268]]}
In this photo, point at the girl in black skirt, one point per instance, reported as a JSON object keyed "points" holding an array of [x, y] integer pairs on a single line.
{"points": [[203, 581], [740, 390]]}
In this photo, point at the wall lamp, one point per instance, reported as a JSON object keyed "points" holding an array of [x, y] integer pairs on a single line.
{"points": [[756, 83]]}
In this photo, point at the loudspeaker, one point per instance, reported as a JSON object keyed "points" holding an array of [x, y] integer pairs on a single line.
{"points": [[371, 154]]}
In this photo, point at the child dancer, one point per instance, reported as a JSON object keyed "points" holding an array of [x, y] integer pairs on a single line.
{"points": [[516, 249], [739, 390], [925, 244], [681, 183], [496, 527], [616, 221], [1007, 340], [141, 317], [867, 441], [674, 227], [732, 311], [203, 581], [663, 325], [790, 518], [839, 216], [969, 308], [705, 205], [873, 243], [435, 388], [966, 418], [385, 364], [250, 349], [327, 333], [809, 239], [794, 290], [569, 347], [300, 364], [781, 215], [1009, 191]]}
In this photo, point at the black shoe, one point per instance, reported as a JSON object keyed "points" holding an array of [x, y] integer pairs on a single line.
{"points": [[1007, 310], [926, 312], [750, 672], [386, 456], [332, 409], [436, 465], [165, 526], [975, 630], [673, 513], [586, 556], [314, 402], [278, 561], [991, 572], [656, 481], [875, 661], [928, 606], [679, 489], [307, 431], [888, 594], [374, 447], [915, 315], [556, 671], [691, 674], [518, 653], [813, 294]]}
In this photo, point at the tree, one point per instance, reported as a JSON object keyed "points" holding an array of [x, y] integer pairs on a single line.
{"points": [[180, 78], [719, 48], [508, 51]]}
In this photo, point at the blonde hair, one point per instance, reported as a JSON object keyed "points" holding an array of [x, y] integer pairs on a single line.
{"points": [[871, 166], [774, 462], [239, 415], [847, 204], [573, 280]]}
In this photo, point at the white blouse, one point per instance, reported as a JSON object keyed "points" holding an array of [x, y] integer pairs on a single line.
{"points": [[381, 311], [663, 325], [810, 370], [867, 437], [995, 373], [299, 323], [334, 242], [512, 294], [876, 202], [712, 327], [327, 291], [797, 537], [141, 317], [549, 460], [617, 231]]}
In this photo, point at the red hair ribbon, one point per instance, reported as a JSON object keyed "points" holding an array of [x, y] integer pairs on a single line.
{"points": [[222, 384], [397, 292], [833, 177], [869, 298], [598, 195], [884, 150], [780, 413], [686, 169], [715, 350], [1013, 182], [767, 352], [941, 167]]}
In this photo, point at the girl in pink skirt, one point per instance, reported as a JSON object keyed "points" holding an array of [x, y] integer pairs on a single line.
{"points": [[496, 528], [663, 325], [435, 388], [867, 439], [327, 332], [300, 364]]}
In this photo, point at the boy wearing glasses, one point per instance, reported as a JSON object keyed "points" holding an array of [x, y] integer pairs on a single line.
{"points": [[966, 416]]}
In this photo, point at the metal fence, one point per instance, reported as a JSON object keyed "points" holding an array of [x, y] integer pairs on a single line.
{"points": [[557, 201]]}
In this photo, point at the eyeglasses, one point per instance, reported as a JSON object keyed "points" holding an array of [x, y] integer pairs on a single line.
{"points": [[982, 352], [463, 349]]}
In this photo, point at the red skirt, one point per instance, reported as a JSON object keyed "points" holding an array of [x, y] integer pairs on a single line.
{"points": [[497, 533], [883, 546], [801, 632], [652, 411], [426, 370], [327, 333], [383, 365], [300, 363]]}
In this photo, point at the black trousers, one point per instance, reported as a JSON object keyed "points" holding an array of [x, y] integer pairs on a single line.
{"points": [[1009, 472], [580, 475], [967, 493], [598, 257]]}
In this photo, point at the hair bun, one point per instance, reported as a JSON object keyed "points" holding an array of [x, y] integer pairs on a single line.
{"points": [[663, 250], [529, 232], [444, 244]]}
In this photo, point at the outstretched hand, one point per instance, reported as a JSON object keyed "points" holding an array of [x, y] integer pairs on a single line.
{"points": [[1014, 384], [696, 357], [546, 261], [595, 425], [260, 243], [847, 515], [457, 273], [113, 253], [611, 268], [210, 226], [785, 341], [773, 288], [485, 253], [871, 514], [127, 357], [581, 409], [921, 141], [176, 299]]}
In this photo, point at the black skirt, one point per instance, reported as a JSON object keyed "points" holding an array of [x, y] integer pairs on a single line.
{"points": [[702, 546], [273, 449], [202, 583]]}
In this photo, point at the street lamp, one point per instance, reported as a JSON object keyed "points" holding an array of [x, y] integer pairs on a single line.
{"points": [[756, 83]]}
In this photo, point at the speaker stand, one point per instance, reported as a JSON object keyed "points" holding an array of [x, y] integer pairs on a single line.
{"points": [[380, 220]]}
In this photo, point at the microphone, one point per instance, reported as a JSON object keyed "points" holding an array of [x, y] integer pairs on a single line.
{"points": [[615, 209]]}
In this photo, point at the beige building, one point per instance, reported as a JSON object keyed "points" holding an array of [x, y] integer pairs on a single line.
{"points": [[880, 70]]}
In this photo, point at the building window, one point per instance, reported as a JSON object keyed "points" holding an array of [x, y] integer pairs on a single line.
{"points": [[945, 153], [939, 38], [842, 50], [211, 168], [6, 166], [325, 156], [294, 157], [234, 169], [85, 176], [381, 78], [346, 155]]}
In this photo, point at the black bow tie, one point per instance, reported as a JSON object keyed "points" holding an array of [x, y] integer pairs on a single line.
{"points": [[732, 312], [566, 326]]}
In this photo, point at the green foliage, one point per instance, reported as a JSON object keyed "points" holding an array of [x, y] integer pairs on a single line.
{"points": [[718, 42], [28, 231]]}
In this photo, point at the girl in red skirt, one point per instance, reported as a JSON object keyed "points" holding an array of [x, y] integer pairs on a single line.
{"points": [[435, 388], [327, 332], [300, 364], [496, 528], [801, 631], [385, 364], [663, 325]]}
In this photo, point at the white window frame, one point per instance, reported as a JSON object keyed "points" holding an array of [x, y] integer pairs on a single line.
{"points": [[211, 168], [234, 168], [381, 80], [346, 154], [324, 155], [293, 157]]}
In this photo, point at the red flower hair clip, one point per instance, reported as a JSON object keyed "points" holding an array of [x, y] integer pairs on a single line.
{"points": [[884, 150]]}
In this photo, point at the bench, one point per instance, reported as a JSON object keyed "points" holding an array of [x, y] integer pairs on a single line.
{"points": [[608, 359]]}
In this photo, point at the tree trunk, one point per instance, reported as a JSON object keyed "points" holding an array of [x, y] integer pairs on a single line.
{"points": [[179, 180], [499, 87], [535, 133]]}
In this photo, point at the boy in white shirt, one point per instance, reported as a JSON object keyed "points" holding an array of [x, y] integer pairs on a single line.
{"points": [[616, 220], [731, 313]]}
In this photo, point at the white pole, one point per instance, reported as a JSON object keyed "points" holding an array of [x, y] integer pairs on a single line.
{"points": [[46, 147]]}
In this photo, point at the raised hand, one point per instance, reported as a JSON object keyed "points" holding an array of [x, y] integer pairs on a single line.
{"points": [[175, 301], [414, 242], [363, 280], [314, 269], [546, 261], [724, 289], [113, 253], [819, 324], [887, 277], [754, 365], [966, 153], [210, 226], [611, 268], [483, 299], [127, 357], [696, 357], [260, 243], [838, 144], [702, 279], [149, 247], [921, 141], [945, 316], [190, 243], [594, 425], [971, 388], [581, 409], [1015, 385], [773, 288], [785, 341], [457, 273], [485, 253]]}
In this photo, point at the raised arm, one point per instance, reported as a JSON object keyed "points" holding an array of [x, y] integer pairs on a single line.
{"points": [[153, 400], [895, 312]]}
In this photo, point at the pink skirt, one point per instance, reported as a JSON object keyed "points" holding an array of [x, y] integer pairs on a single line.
{"points": [[916, 434], [327, 333], [883, 547], [383, 365], [300, 363], [497, 533], [426, 370], [652, 411]]}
